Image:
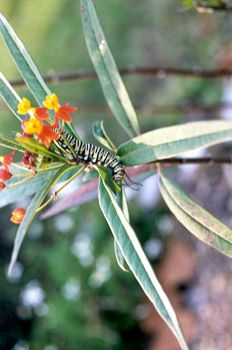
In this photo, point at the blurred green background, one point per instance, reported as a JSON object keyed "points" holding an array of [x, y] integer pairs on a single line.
{"points": [[67, 291]]}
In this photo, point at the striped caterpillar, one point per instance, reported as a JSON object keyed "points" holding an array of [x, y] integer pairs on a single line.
{"points": [[77, 151]]}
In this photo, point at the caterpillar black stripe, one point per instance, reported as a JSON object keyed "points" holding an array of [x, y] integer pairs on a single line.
{"points": [[79, 152]]}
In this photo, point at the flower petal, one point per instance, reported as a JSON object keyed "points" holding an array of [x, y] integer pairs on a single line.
{"points": [[33, 126], [4, 175], [7, 159], [64, 112], [2, 186], [41, 113], [24, 106], [51, 102], [48, 135]]}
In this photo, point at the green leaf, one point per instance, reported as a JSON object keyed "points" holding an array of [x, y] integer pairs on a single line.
{"points": [[195, 218], [136, 259], [24, 61], [188, 4], [9, 96], [26, 65], [173, 140], [33, 146], [8, 140], [33, 184], [101, 135], [104, 64], [121, 200], [31, 212]]}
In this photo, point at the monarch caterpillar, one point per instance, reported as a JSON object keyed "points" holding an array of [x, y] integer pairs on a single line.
{"points": [[77, 151]]}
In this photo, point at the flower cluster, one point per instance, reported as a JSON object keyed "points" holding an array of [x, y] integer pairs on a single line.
{"points": [[39, 123], [5, 174], [40, 127]]}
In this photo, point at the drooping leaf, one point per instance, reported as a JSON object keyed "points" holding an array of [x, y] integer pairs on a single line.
{"points": [[26, 65], [136, 258], [173, 140], [195, 218], [31, 212], [104, 64], [101, 135]]}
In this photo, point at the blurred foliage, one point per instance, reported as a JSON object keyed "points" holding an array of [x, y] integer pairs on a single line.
{"points": [[207, 4], [85, 298]]}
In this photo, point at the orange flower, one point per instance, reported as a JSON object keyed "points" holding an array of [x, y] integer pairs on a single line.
{"points": [[41, 113], [64, 112], [2, 186], [61, 111], [18, 215], [47, 135], [5, 175]]}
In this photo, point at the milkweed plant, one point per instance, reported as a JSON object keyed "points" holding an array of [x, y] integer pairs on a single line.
{"points": [[52, 152]]}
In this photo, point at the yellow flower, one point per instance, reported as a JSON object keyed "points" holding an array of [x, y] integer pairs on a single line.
{"points": [[24, 106], [32, 126], [52, 102]]}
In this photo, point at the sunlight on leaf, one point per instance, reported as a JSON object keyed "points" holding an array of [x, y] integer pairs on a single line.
{"points": [[173, 140]]}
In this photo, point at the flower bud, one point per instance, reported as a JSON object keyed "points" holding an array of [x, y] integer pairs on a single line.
{"points": [[18, 215]]}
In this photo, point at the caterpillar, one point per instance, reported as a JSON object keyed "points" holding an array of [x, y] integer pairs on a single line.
{"points": [[75, 150]]}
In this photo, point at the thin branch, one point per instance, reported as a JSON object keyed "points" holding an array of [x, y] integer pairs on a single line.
{"points": [[160, 72], [194, 160], [179, 161], [88, 191], [183, 108]]}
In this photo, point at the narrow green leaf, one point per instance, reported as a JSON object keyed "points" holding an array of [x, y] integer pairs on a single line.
{"points": [[174, 140], [195, 218], [12, 194], [8, 140], [33, 146], [31, 212], [136, 259], [104, 64], [24, 61], [101, 135], [122, 202], [26, 65], [9, 96]]}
